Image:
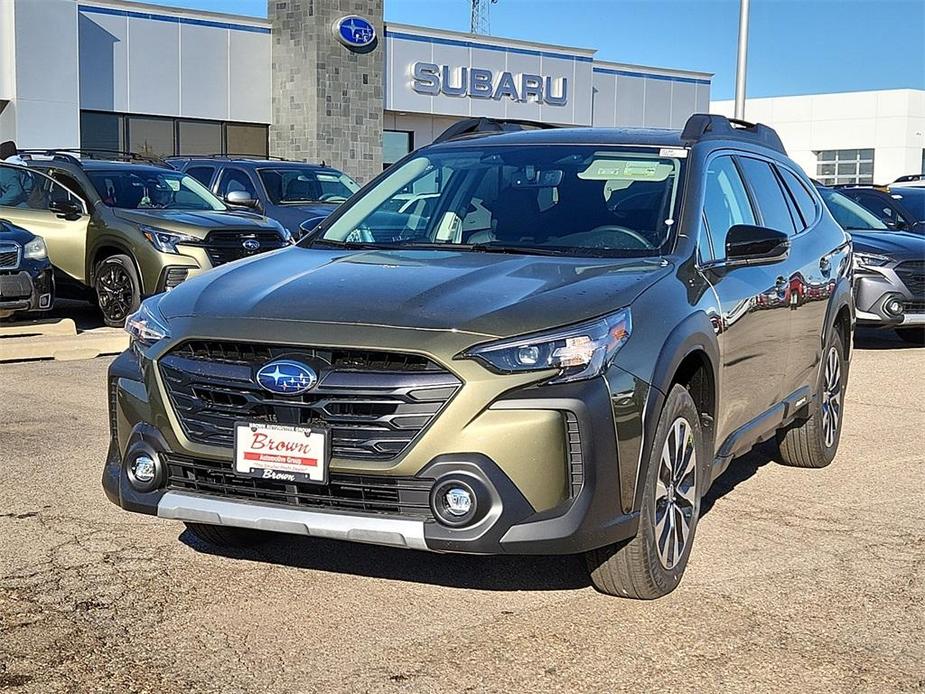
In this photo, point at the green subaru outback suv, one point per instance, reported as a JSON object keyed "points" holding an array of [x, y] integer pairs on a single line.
{"points": [[120, 228], [555, 345]]}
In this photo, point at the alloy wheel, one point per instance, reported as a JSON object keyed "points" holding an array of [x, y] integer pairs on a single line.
{"points": [[114, 289], [831, 397], [676, 493]]}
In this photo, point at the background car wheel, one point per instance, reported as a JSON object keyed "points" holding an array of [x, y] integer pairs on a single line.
{"points": [[914, 336], [652, 563], [813, 442], [118, 291], [224, 536]]}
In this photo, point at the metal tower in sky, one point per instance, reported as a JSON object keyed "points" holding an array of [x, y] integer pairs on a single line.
{"points": [[480, 23]]}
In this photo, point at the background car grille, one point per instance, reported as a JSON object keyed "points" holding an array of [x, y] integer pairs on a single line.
{"points": [[9, 256], [912, 273], [375, 403], [406, 496], [225, 245]]}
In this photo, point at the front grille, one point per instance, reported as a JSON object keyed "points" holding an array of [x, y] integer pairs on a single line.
{"points": [[10, 256], [226, 245], [912, 274], [374, 403], [403, 496], [174, 276], [15, 286]]}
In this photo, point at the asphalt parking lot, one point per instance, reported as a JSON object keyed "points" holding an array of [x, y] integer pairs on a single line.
{"points": [[800, 580]]}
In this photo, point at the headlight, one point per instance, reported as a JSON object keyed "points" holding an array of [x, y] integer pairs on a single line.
{"points": [[166, 241], [869, 260], [146, 326], [35, 249], [579, 352]]}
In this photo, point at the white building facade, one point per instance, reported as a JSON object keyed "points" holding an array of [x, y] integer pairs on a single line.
{"points": [[852, 137]]}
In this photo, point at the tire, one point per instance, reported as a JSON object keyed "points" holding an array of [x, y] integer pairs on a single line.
{"points": [[813, 442], [118, 289], [914, 336], [226, 536], [649, 566]]}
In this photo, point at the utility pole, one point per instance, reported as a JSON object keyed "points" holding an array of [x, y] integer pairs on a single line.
{"points": [[742, 59], [480, 23]]}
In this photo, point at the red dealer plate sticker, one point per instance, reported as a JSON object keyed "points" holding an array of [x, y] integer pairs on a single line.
{"points": [[283, 453]]}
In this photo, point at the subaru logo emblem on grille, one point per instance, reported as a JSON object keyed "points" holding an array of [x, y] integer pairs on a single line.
{"points": [[286, 377], [251, 244]]}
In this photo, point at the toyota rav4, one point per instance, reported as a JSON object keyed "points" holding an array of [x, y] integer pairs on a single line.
{"points": [[558, 354]]}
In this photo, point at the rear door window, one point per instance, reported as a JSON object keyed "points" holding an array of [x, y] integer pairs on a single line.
{"points": [[725, 202], [806, 203], [767, 194], [203, 174]]}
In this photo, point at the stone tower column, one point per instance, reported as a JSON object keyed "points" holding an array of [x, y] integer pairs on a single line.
{"points": [[327, 98]]}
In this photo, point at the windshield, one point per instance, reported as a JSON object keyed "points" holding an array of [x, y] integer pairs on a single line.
{"points": [[291, 185], [849, 214], [571, 200], [912, 198], [158, 190]]}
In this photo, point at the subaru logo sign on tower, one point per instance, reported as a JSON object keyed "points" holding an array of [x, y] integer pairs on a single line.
{"points": [[286, 377], [356, 33]]}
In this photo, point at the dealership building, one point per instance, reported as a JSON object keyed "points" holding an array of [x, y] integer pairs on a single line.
{"points": [[851, 137], [322, 80]]}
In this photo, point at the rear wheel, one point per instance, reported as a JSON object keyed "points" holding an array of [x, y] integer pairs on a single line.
{"points": [[813, 442], [651, 564], [226, 536], [914, 336], [118, 290]]}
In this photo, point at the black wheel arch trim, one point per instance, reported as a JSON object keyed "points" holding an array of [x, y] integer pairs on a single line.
{"points": [[94, 259]]}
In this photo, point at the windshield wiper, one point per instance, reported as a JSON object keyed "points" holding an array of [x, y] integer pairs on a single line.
{"points": [[513, 250]]}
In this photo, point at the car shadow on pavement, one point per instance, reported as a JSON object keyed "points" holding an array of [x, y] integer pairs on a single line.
{"points": [[489, 573], [882, 338], [739, 470]]}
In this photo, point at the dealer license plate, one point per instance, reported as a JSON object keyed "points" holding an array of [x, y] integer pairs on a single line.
{"points": [[284, 453]]}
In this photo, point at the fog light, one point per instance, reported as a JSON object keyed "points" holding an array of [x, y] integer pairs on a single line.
{"points": [[144, 469], [894, 307], [458, 501]]}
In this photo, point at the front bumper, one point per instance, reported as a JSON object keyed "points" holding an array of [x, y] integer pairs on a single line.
{"points": [[574, 500], [877, 290], [27, 291]]}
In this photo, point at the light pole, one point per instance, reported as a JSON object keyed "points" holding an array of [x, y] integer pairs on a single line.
{"points": [[742, 59]]}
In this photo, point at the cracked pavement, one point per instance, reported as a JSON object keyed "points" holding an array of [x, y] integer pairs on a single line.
{"points": [[800, 580]]}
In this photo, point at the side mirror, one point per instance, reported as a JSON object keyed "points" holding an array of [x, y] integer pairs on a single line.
{"points": [[66, 209], [748, 244], [240, 198]]}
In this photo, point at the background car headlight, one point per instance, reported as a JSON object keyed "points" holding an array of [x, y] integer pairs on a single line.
{"points": [[166, 241], [146, 326], [578, 352], [869, 260], [35, 249]]}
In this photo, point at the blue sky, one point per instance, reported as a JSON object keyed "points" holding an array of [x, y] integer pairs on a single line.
{"points": [[796, 46]]}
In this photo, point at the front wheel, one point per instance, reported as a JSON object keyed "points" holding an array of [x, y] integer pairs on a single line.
{"points": [[813, 442], [118, 290], [651, 564]]}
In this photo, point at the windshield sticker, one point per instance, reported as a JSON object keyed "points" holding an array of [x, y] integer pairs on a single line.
{"points": [[626, 170], [674, 152]]}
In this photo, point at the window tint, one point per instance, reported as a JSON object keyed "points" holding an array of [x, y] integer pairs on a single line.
{"points": [[769, 198], [25, 189], [203, 174], [235, 179], [725, 202], [69, 182], [804, 200]]}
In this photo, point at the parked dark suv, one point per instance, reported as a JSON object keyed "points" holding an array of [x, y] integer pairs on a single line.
{"points": [[137, 227], [579, 336], [296, 194]]}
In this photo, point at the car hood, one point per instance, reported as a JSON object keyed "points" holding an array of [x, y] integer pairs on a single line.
{"points": [[196, 222], [292, 216], [11, 232], [488, 294], [898, 244]]}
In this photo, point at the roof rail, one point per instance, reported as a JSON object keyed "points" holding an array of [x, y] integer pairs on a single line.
{"points": [[74, 155], [232, 155], [908, 178], [488, 126], [705, 126]]}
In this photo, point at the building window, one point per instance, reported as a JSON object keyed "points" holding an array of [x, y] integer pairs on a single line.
{"points": [[164, 137], [152, 136], [395, 145], [247, 139], [199, 137], [840, 166], [102, 131]]}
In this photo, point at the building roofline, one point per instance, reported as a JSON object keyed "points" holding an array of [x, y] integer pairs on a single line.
{"points": [[822, 94], [666, 71], [494, 41], [178, 12]]}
